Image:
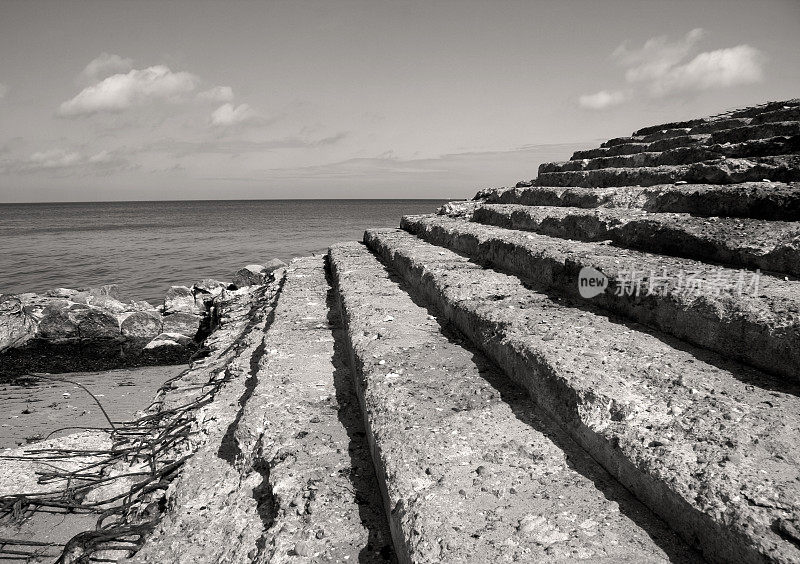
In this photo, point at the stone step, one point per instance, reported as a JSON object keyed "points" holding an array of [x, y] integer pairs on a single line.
{"points": [[756, 111], [682, 155], [764, 200], [759, 131], [471, 469], [742, 243], [639, 147], [740, 314], [784, 168], [789, 113], [709, 445], [290, 474]]}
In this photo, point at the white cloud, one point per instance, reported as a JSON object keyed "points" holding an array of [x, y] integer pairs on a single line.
{"points": [[66, 161], [656, 56], [54, 158], [104, 66], [217, 94], [714, 69], [603, 99], [662, 67], [228, 114], [122, 91]]}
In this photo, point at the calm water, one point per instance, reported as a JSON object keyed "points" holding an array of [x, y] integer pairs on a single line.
{"points": [[145, 247]]}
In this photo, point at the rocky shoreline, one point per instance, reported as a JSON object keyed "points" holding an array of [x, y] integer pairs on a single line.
{"points": [[69, 330]]}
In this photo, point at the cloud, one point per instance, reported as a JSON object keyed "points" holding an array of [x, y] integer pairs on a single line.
{"points": [[656, 56], [228, 114], [722, 68], [66, 161], [603, 99], [104, 66], [3, 90], [662, 67], [120, 92], [217, 94]]}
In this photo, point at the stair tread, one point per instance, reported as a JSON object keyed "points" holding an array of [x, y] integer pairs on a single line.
{"points": [[454, 437], [742, 243], [769, 200], [681, 155], [783, 168], [663, 419], [709, 305]]}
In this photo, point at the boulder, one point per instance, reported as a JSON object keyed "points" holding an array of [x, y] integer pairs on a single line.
{"points": [[16, 328], [209, 286], [181, 299], [55, 324], [181, 323], [254, 274], [141, 325], [94, 322], [170, 341]]}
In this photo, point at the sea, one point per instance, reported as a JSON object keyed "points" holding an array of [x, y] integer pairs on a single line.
{"points": [[146, 247]]}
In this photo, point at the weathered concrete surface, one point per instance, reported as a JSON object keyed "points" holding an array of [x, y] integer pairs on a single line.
{"points": [[760, 326], [647, 156], [471, 469], [761, 200], [709, 445], [743, 243], [285, 474], [722, 171]]}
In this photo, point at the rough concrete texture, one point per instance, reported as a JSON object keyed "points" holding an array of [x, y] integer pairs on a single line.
{"points": [[760, 200], [472, 470], [709, 445], [286, 473], [743, 243], [684, 154], [760, 326], [721, 171]]}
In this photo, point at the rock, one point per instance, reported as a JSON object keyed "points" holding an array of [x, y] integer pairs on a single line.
{"points": [[209, 286], [55, 324], [16, 328], [141, 325], [302, 549], [94, 322], [253, 274], [170, 341], [181, 299], [183, 323]]}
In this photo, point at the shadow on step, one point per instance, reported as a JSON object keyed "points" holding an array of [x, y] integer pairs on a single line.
{"points": [[379, 546], [743, 372], [524, 409]]}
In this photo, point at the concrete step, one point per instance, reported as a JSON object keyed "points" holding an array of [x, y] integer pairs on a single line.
{"points": [[291, 475], [788, 113], [471, 469], [784, 168], [709, 445], [761, 109], [641, 147], [764, 200], [741, 243], [682, 155], [752, 318], [759, 131]]}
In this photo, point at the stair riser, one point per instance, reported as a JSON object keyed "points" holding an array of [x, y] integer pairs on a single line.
{"points": [[776, 169], [757, 200], [682, 155], [731, 332], [541, 377], [648, 235]]}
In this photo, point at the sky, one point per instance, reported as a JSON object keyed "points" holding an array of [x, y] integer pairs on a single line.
{"points": [[175, 100]]}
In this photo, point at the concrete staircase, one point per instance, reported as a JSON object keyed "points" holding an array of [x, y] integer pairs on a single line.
{"points": [[602, 365]]}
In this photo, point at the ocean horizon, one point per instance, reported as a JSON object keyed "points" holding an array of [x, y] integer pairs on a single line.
{"points": [[146, 246]]}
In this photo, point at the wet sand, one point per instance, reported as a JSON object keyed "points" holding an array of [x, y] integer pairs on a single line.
{"points": [[31, 409]]}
